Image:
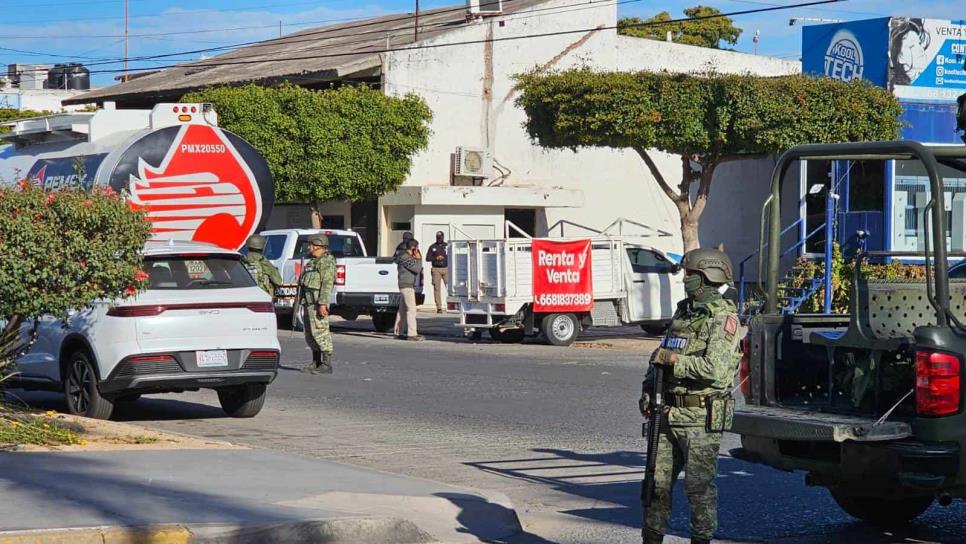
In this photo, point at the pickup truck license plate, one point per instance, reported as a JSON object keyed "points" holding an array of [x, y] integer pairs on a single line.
{"points": [[380, 299], [214, 358]]}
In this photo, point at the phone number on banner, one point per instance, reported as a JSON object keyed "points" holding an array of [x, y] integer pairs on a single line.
{"points": [[564, 299]]}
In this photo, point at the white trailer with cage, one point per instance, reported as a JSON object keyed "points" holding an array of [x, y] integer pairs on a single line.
{"points": [[632, 282]]}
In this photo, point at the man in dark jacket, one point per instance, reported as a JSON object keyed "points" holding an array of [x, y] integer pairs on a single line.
{"points": [[408, 267], [407, 236], [440, 260]]}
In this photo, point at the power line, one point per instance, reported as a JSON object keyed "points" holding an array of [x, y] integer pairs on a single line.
{"points": [[417, 47]]}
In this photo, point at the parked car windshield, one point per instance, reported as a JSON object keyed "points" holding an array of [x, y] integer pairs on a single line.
{"points": [[339, 245], [196, 272]]}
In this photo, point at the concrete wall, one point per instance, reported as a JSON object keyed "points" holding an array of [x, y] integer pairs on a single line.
{"points": [[38, 100], [471, 92]]}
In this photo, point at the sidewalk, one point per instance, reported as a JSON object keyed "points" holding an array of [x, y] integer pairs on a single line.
{"points": [[443, 327], [227, 494]]}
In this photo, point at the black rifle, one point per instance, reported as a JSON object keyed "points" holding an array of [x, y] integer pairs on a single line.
{"points": [[653, 436]]}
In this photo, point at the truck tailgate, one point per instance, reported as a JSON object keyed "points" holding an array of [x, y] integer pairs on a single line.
{"points": [[787, 424], [369, 275]]}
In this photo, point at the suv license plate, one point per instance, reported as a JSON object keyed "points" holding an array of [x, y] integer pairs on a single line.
{"points": [[380, 299], [218, 357]]}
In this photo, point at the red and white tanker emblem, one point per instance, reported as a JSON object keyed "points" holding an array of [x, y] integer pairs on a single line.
{"points": [[203, 190]]}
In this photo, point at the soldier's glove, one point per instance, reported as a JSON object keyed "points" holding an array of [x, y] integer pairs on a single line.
{"points": [[664, 357], [644, 404]]}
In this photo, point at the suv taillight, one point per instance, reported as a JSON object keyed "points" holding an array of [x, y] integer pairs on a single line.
{"points": [[744, 369], [937, 383], [340, 274]]}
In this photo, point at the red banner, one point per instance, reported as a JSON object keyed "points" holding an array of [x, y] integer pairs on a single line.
{"points": [[561, 276]]}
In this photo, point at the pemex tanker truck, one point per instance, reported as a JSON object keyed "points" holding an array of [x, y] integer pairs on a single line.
{"points": [[194, 180]]}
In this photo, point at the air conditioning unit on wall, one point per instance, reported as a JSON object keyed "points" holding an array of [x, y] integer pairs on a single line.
{"points": [[473, 162], [484, 7]]}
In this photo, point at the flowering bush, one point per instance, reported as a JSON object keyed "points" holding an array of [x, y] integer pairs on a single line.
{"points": [[60, 251]]}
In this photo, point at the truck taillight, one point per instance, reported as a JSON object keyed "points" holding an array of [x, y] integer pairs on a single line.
{"points": [[452, 306], [937, 383], [340, 274], [499, 308], [298, 270], [744, 369]]}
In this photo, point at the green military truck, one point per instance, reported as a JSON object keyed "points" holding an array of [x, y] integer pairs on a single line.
{"points": [[869, 404]]}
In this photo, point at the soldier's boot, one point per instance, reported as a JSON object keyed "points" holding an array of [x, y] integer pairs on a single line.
{"points": [[652, 537], [325, 367], [316, 364]]}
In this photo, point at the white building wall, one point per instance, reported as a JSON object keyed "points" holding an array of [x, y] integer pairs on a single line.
{"points": [[471, 92], [37, 100]]}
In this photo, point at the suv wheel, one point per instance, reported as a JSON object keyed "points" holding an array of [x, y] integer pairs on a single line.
{"points": [[879, 510], [655, 329], [242, 400], [80, 389]]}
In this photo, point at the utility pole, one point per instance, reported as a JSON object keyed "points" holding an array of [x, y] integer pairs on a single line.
{"points": [[280, 29], [416, 23], [125, 40], [756, 39]]}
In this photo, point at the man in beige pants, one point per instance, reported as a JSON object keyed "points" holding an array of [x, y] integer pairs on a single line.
{"points": [[408, 267]]}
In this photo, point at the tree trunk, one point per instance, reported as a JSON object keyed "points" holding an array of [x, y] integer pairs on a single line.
{"points": [[9, 342], [689, 234], [316, 208]]}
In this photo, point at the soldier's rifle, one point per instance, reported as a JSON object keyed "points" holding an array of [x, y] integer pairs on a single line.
{"points": [[653, 434]]}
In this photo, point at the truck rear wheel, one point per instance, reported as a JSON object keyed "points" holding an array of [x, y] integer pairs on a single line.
{"points": [[383, 321], [507, 336], [560, 329], [655, 329], [879, 510]]}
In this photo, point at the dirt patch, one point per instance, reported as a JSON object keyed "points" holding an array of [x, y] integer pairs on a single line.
{"points": [[97, 435]]}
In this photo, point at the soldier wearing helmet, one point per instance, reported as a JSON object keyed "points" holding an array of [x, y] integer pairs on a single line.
{"points": [[700, 358], [264, 273], [315, 286]]}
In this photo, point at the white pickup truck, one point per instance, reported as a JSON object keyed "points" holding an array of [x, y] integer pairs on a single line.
{"points": [[363, 285]]}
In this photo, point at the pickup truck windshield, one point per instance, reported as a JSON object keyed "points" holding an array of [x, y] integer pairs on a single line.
{"points": [[339, 245]]}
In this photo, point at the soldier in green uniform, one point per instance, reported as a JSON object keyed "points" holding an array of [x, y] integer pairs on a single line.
{"points": [[264, 272], [700, 358], [316, 287]]}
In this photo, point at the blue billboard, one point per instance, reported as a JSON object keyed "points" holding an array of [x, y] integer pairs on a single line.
{"points": [[848, 51], [927, 59]]}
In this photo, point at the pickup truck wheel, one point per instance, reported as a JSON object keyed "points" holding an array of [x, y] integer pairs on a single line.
{"points": [[80, 389], [507, 336], [242, 400], [560, 329], [655, 329], [384, 321], [881, 511]]}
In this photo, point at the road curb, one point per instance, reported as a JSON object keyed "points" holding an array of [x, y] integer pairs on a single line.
{"points": [[333, 531]]}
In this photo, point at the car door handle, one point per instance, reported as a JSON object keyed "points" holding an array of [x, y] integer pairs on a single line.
{"points": [[640, 281]]}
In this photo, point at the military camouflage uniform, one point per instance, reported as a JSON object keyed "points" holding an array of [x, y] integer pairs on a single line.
{"points": [[704, 339], [265, 274], [316, 287]]}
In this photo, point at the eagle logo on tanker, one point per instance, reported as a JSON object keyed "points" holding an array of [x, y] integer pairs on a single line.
{"points": [[202, 190]]}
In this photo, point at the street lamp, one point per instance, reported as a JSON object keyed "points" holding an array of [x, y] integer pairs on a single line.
{"points": [[794, 20]]}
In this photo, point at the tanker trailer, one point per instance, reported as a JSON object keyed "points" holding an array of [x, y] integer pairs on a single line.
{"points": [[194, 180]]}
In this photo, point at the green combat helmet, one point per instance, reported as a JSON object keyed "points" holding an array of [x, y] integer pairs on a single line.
{"points": [[319, 240], [256, 242], [713, 264]]}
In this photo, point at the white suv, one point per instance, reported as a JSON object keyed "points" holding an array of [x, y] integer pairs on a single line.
{"points": [[201, 323]]}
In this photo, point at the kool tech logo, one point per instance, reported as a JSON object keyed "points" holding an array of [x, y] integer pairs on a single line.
{"points": [[204, 187], [843, 59]]}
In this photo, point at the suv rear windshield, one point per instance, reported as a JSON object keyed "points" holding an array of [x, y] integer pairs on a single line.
{"points": [[339, 246], [196, 272]]}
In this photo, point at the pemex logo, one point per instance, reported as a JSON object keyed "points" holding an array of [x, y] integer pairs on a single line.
{"points": [[843, 59], [197, 182]]}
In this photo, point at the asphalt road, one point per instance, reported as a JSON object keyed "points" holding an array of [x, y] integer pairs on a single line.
{"points": [[556, 429]]}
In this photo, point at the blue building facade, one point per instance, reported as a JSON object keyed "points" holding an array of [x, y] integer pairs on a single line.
{"points": [[923, 63]]}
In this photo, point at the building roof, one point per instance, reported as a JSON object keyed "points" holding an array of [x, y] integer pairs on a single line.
{"points": [[341, 51]]}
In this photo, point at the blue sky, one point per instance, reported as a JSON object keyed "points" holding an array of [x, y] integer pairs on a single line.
{"points": [[50, 31]]}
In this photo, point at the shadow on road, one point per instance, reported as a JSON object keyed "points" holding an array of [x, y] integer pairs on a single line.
{"points": [[756, 503], [73, 490], [490, 522], [144, 409]]}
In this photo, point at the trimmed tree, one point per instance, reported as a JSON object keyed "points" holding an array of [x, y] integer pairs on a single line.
{"points": [[706, 119], [61, 251], [350, 143], [706, 32]]}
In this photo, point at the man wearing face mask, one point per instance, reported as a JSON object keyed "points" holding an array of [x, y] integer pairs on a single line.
{"points": [[700, 357]]}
